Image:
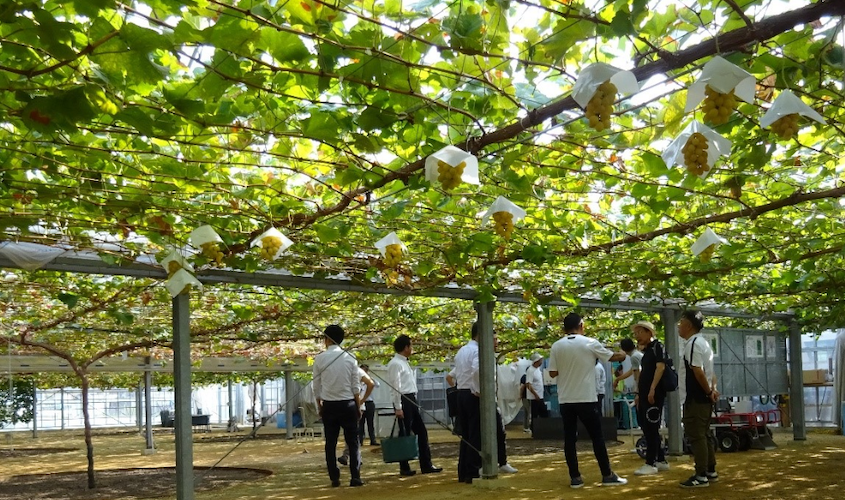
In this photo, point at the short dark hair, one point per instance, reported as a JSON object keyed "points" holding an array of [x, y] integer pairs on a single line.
{"points": [[401, 343], [474, 330], [334, 333], [695, 318], [365, 367], [571, 322], [627, 345]]}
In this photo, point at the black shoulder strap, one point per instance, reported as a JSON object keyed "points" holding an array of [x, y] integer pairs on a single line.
{"points": [[691, 350]]}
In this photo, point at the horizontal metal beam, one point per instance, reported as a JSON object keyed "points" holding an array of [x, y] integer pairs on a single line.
{"points": [[88, 263], [50, 364]]}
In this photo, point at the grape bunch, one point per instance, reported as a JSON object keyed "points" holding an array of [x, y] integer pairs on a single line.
{"points": [[695, 154], [504, 224], [212, 251], [601, 106], [786, 126], [707, 253], [172, 268], [270, 246], [392, 255], [717, 106], [448, 175]]}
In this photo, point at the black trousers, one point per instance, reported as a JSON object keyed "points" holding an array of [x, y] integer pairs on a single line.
{"points": [[368, 416], [538, 410], [412, 424], [469, 418], [589, 415], [339, 415], [648, 416], [501, 435]]}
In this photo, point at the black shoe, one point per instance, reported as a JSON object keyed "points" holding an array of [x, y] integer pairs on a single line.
{"points": [[407, 472], [343, 460], [356, 482], [335, 483], [432, 470], [375, 443]]}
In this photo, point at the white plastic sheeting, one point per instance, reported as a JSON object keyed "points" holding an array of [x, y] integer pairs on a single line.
{"points": [[29, 256]]}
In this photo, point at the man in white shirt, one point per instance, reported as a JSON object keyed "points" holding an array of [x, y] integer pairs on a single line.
{"points": [[365, 391], [403, 388], [369, 412], [601, 382], [336, 388], [469, 409], [636, 357], [698, 393], [534, 388], [572, 361]]}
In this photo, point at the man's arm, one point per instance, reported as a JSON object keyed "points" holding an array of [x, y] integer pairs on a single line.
{"points": [[316, 385], [658, 374], [370, 386], [701, 378], [393, 370]]}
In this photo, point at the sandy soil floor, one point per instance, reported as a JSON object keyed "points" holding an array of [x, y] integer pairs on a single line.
{"points": [[43, 468]]}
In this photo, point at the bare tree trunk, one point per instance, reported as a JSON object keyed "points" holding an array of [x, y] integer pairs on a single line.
{"points": [[89, 445]]}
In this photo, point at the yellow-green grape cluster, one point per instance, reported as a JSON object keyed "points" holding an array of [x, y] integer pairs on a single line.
{"points": [[707, 253], [212, 251], [172, 268], [392, 255], [695, 154], [270, 246], [448, 175], [186, 289], [504, 224], [717, 106], [786, 126], [601, 106]]}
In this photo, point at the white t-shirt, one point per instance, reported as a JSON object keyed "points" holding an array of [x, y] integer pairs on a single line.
{"points": [[534, 377], [601, 378], [635, 359], [574, 358]]}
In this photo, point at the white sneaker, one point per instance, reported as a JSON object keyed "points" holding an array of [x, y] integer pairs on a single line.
{"points": [[646, 470], [661, 466], [508, 469]]}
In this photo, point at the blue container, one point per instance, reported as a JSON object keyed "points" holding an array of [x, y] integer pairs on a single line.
{"points": [[281, 420]]}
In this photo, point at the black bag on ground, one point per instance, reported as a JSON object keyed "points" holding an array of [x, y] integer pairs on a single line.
{"points": [[399, 448]]}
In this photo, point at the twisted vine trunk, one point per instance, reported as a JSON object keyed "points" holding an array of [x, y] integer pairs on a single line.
{"points": [[89, 445]]}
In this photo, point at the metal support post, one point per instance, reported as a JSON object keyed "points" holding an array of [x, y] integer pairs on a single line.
{"points": [[669, 317], [487, 372], [182, 388], [289, 405], [148, 406], [796, 383]]}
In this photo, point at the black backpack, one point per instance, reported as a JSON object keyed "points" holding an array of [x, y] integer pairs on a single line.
{"points": [[670, 376], [522, 390]]}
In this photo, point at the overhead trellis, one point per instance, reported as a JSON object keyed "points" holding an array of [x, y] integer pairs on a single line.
{"points": [[127, 126]]}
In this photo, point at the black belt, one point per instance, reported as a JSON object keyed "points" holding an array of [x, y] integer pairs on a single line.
{"points": [[464, 390], [410, 395]]}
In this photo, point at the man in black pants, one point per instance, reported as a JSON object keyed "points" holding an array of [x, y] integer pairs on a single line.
{"points": [[403, 385], [469, 409], [574, 358], [336, 386], [650, 397], [369, 414]]}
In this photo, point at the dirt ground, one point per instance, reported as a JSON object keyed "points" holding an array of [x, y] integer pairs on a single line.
{"points": [[53, 466]]}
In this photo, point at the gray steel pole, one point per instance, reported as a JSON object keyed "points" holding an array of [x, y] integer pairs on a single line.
{"points": [[139, 411], [34, 412], [487, 372], [62, 402], [796, 383], [669, 317], [288, 405], [230, 406], [182, 388], [148, 405]]}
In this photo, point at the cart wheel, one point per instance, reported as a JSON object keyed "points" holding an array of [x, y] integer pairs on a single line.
{"points": [[728, 441], [745, 440], [641, 447]]}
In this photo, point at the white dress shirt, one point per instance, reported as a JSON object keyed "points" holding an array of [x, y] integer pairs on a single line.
{"points": [[534, 378], [601, 379], [403, 379], [336, 375], [466, 368]]}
